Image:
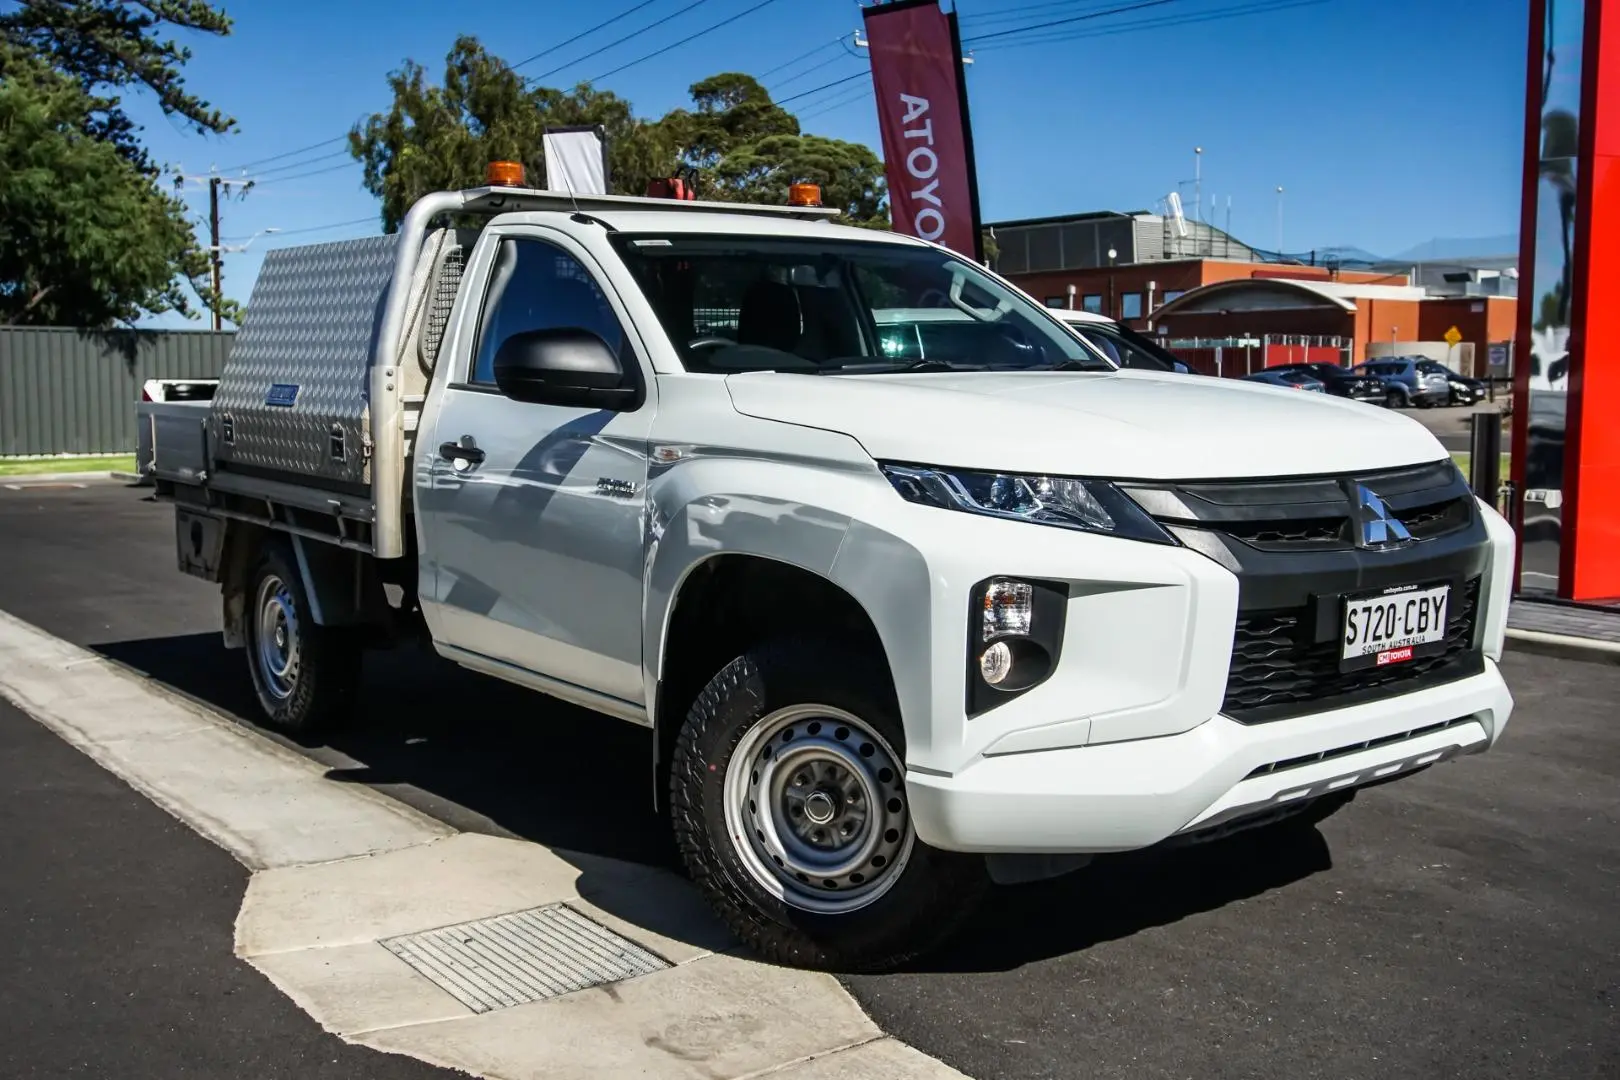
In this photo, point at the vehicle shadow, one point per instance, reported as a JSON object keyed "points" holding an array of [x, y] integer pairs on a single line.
{"points": [[489, 757], [484, 755], [1118, 896]]}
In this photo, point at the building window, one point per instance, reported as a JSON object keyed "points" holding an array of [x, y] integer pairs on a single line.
{"points": [[1173, 294], [1130, 305], [1056, 301], [1092, 302]]}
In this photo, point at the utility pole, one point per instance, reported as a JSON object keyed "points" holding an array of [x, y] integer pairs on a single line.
{"points": [[213, 244], [1279, 220], [1198, 183]]}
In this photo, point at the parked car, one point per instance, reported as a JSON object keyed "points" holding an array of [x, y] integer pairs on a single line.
{"points": [[1405, 385], [1465, 390], [1121, 344], [1340, 381], [898, 624], [1291, 380]]}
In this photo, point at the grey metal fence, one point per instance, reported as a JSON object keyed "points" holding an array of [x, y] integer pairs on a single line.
{"points": [[69, 391]]}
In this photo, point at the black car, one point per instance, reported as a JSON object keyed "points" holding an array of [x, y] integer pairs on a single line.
{"points": [[1340, 382], [1464, 390]]}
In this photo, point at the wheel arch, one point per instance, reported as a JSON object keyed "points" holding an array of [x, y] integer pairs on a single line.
{"points": [[726, 601]]}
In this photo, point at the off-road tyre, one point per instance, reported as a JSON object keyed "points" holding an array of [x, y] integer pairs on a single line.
{"points": [[933, 892], [320, 693]]}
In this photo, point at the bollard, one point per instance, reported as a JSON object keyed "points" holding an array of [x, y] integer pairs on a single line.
{"points": [[1485, 455]]}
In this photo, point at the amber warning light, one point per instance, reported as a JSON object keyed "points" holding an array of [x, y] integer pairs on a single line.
{"points": [[804, 195], [504, 174]]}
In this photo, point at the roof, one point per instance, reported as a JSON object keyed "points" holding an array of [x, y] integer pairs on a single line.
{"points": [[1063, 219], [1079, 315], [1339, 294], [718, 222]]}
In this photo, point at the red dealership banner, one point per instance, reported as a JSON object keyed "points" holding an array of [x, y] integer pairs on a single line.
{"points": [[922, 115]]}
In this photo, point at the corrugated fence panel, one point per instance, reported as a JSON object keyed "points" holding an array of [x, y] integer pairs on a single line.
{"points": [[68, 391]]}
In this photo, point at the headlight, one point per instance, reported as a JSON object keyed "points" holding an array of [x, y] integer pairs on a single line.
{"points": [[1094, 506]]}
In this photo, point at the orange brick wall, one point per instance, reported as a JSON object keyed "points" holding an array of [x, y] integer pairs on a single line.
{"points": [[1494, 321], [1183, 275]]}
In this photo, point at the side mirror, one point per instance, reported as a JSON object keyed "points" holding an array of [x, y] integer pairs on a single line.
{"points": [[565, 366]]}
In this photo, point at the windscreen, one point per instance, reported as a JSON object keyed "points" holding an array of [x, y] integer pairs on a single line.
{"points": [[763, 303]]}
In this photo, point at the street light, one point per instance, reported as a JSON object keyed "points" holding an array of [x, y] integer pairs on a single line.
{"points": [[231, 249]]}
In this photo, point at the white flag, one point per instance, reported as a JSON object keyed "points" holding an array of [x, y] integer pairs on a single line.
{"points": [[576, 160]]}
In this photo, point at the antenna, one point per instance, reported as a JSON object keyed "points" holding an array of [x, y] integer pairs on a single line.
{"points": [[1174, 200]]}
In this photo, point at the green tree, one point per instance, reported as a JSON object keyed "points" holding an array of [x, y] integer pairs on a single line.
{"points": [[87, 235], [436, 138], [730, 110], [850, 175], [735, 141]]}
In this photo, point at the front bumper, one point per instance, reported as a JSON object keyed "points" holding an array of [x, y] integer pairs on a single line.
{"points": [[1129, 795], [1171, 687]]}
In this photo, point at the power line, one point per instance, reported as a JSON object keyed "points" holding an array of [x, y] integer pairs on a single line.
{"points": [[1071, 19], [584, 33], [312, 172], [299, 164], [808, 70], [369, 219], [287, 154], [690, 37], [971, 23], [1154, 24], [618, 41], [838, 101], [823, 86], [801, 56]]}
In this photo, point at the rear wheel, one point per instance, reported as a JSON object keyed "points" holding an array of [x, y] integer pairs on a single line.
{"points": [[305, 675], [791, 813], [1394, 399]]}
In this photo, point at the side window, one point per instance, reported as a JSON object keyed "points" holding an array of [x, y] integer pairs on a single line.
{"points": [[538, 286]]}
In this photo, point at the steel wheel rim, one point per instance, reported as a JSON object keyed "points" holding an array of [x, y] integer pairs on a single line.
{"points": [[815, 805], [277, 646]]}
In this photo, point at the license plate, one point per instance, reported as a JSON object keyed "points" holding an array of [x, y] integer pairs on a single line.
{"points": [[1394, 626]]}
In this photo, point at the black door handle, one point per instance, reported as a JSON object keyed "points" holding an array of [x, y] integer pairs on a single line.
{"points": [[451, 451]]}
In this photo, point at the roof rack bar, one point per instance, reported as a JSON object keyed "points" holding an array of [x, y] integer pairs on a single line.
{"points": [[502, 199]]}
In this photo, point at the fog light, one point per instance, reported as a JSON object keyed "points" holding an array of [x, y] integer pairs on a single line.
{"points": [[1007, 608], [996, 663]]}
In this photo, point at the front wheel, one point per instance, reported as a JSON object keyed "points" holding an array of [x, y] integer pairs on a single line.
{"points": [[790, 811]]}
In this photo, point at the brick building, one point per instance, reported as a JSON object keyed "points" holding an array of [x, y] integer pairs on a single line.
{"points": [[1190, 283]]}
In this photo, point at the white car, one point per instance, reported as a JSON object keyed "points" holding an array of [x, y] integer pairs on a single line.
{"points": [[1124, 346], [913, 587]]}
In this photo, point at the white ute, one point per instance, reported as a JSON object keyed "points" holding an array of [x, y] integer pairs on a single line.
{"points": [[916, 590]]}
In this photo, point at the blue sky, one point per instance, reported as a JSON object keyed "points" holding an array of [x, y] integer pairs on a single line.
{"points": [[1387, 122]]}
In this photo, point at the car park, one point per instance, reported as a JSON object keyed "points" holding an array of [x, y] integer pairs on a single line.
{"points": [[1292, 380], [909, 604], [1121, 344], [1340, 381], [1406, 385], [1465, 390]]}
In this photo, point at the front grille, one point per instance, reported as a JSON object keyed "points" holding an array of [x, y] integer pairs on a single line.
{"points": [[1277, 534], [1312, 513], [1278, 670]]}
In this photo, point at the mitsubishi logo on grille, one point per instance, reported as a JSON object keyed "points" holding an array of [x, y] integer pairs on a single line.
{"points": [[1376, 526]]}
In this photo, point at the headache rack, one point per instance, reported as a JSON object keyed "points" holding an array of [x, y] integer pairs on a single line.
{"points": [[312, 426]]}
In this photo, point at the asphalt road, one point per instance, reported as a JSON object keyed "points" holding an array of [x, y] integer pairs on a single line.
{"points": [[116, 924], [1462, 922]]}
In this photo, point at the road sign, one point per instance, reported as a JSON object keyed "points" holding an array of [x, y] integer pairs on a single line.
{"points": [[1453, 336], [1499, 356]]}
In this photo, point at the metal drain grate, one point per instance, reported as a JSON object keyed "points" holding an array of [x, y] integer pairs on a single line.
{"points": [[521, 957]]}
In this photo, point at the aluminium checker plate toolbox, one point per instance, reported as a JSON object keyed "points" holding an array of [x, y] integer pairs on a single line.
{"points": [[295, 393]]}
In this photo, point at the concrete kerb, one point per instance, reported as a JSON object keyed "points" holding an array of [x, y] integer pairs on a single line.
{"points": [[339, 868], [1563, 646]]}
